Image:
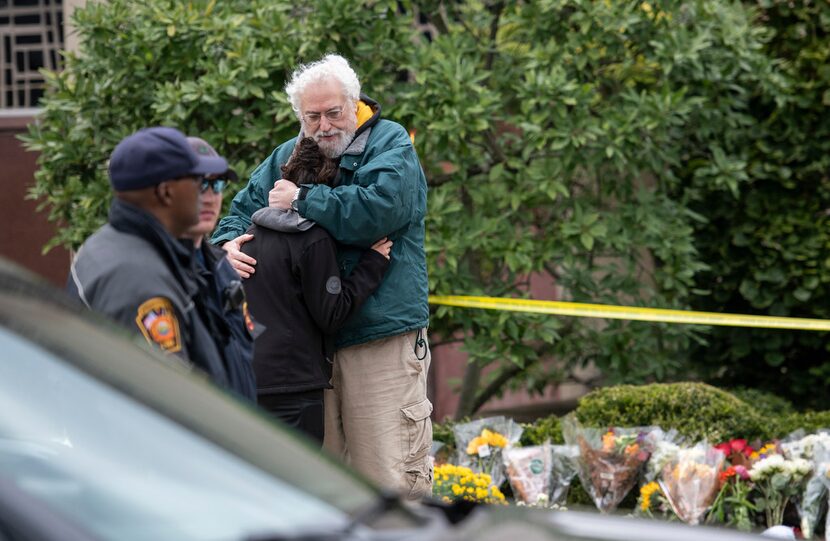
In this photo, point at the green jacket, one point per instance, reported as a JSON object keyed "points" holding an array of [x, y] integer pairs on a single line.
{"points": [[381, 191]]}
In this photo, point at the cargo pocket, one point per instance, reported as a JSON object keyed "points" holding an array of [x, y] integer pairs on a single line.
{"points": [[416, 464]]}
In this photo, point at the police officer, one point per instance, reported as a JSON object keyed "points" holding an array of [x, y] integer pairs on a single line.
{"points": [[224, 296], [134, 269]]}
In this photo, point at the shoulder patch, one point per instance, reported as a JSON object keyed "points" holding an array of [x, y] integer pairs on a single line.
{"points": [[333, 285], [254, 327], [157, 321]]}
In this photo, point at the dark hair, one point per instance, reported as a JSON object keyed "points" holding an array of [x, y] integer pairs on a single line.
{"points": [[308, 165]]}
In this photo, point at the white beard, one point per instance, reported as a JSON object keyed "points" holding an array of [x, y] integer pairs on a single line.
{"points": [[336, 148]]}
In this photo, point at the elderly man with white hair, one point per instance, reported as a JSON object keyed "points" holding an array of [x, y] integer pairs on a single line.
{"points": [[377, 414]]}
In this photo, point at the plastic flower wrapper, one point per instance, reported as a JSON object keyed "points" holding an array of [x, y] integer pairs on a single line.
{"points": [[778, 480], [542, 473], [563, 470], [810, 507], [452, 483], [665, 449], [815, 491], [482, 442], [439, 452], [610, 460], [814, 448], [799, 445], [529, 472], [690, 481]]}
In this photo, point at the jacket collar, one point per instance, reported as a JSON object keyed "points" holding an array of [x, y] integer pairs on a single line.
{"points": [[178, 254]]}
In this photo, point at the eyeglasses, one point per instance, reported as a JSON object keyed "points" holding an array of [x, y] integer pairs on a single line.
{"points": [[218, 184], [313, 118]]}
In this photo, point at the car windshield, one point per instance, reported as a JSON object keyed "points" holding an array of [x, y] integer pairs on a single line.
{"points": [[125, 472]]}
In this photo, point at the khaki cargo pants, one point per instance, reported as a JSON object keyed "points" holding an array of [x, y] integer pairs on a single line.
{"points": [[377, 415]]}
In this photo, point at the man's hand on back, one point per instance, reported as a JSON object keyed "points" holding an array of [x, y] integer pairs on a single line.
{"points": [[242, 263]]}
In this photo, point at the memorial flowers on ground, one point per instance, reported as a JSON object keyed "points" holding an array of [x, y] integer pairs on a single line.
{"points": [[690, 481], [777, 480], [733, 505], [610, 460], [481, 444], [451, 483]]}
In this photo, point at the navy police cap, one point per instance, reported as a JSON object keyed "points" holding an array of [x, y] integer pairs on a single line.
{"points": [[152, 155]]}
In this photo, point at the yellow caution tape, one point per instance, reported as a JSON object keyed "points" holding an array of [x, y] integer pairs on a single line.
{"points": [[631, 313]]}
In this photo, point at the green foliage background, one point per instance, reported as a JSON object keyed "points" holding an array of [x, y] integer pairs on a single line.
{"points": [[768, 247], [652, 154]]}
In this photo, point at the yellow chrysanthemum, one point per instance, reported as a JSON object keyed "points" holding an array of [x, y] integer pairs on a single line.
{"points": [[460, 483]]}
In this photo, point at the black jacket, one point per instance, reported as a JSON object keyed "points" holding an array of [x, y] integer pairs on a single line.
{"points": [[133, 271], [226, 302], [298, 294]]}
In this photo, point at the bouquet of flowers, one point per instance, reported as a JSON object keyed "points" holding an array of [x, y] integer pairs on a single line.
{"points": [[665, 450], [481, 444], [563, 471], [778, 480], [797, 445], [609, 460], [815, 492], [453, 483], [737, 452], [814, 448], [541, 474], [732, 505], [690, 481], [529, 472]]}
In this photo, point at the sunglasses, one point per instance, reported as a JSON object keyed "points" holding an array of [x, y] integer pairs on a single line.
{"points": [[218, 184]]}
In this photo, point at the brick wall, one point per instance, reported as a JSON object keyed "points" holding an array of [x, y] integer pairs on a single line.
{"points": [[24, 231]]}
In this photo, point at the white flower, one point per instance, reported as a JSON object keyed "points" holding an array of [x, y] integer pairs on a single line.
{"points": [[765, 468], [798, 468]]}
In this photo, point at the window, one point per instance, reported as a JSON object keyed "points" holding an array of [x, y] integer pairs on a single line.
{"points": [[31, 34]]}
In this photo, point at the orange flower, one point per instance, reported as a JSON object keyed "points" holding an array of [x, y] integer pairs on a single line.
{"points": [[608, 441]]}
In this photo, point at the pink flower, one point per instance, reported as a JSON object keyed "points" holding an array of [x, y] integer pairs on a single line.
{"points": [[741, 472]]}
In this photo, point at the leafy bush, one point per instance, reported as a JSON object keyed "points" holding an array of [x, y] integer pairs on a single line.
{"points": [[695, 410], [546, 429], [809, 421], [766, 403]]}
